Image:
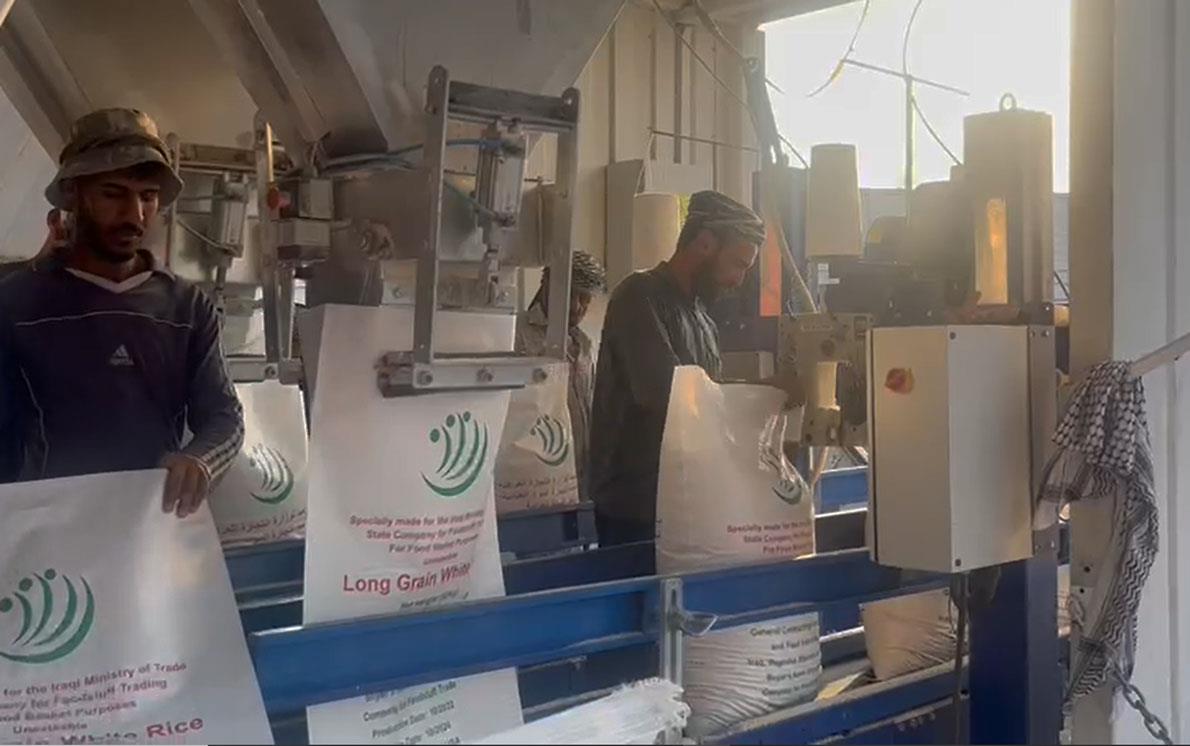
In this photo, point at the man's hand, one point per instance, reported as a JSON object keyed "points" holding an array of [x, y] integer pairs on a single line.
{"points": [[186, 484]]}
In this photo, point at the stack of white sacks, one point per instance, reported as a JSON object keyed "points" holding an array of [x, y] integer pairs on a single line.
{"points": [[728, 496], [638, 713]]}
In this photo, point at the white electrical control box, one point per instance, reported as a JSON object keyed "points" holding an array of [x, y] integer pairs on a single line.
{"points": [[950, 427]]}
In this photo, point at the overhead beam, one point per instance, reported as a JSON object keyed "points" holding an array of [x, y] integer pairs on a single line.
{"points": [[242, 35], [37, 80], [756, 12], [305, 38]]}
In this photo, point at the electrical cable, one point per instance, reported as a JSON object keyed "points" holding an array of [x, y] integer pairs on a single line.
{"points": [[709, 24], [1062, 284], [838, 69], [718, 80], [913, 98], [396, 158], [905, 42], [820, 466], [204, 237], [396, 155], [933, 133], [694, 52], [793, 150], [800, 286]]}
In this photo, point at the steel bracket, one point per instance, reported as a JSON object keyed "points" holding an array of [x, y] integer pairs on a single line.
{"points": [[400, 374], [256, 370], [446, 100]]}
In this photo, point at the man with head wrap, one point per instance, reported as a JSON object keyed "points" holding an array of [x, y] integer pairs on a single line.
{"points": [[657, 320], [106, 357], [586, 279]]}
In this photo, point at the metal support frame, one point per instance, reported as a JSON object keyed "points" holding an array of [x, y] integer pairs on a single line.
{"points": [[266, 221], [901, 701], [600, 636], [670, 647], [1017, 698], [425, 369], [843, 488], [299, 667], [613, 619], [276, 278]]}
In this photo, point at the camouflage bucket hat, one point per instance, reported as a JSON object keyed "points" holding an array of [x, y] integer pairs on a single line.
{"points": [[112, 140]]}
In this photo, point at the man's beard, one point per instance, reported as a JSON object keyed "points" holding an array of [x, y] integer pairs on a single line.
{"points": [[88, 235], [705, 287]]}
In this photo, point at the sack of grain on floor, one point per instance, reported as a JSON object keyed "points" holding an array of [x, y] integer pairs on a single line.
{"points": [[909, 633]]}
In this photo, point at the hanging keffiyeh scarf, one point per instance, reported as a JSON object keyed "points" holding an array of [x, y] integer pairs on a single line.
{"points": [[1103, 442]]}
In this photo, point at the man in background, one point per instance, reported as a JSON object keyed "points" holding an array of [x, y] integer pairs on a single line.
{"points": [[587, 278], [105, 356], [656, 320], [56, 233]]}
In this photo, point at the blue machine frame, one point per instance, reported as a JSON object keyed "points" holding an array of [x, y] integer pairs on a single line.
{"points": [[612, 620]]}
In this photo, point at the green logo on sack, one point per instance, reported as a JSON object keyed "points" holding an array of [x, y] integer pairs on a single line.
{"points": [[788, 490], [276, 478], [464, 451], [39, 641], [553, 440]]}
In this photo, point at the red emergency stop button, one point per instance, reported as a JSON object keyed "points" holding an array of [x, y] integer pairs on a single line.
{"points": [[899, 380], [277, 199]]}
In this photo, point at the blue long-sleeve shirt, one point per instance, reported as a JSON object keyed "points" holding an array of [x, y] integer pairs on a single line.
{"points": [[104, 378]]}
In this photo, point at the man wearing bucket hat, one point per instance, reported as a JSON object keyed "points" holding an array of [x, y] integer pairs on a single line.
{"points": [[105, 356]]}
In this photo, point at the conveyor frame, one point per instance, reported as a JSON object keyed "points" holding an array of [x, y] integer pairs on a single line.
{"points": [[606, 628]]}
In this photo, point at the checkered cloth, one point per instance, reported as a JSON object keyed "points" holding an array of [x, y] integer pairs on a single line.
{"points": [[1104, 454]]}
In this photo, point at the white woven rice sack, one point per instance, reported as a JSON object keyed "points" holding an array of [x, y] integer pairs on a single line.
{"points": [[727, 496]]}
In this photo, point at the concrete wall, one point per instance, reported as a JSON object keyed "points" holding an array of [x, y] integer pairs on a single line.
{"points": [[24, 174], [642, 78], [1130, 269]]}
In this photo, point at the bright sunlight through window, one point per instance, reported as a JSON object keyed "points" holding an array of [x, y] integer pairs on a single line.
{"points": [[986, 47]]}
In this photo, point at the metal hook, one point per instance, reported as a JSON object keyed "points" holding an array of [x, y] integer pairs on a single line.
{"points": [[693, 623]]}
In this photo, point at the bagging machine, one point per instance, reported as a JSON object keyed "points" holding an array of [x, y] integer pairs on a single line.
{"points": [[319, 170], [933, 352]]}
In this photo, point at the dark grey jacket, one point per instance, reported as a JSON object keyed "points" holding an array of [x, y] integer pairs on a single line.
{"points": [[98, 381], [651, 327]]}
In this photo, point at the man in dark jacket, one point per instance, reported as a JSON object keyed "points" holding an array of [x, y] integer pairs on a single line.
{"points": [[105, 356], [656, 320]]}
